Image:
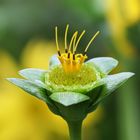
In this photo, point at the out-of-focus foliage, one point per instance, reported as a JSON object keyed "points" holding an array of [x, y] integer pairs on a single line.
{"points": [[124, 19], [26, 28]]}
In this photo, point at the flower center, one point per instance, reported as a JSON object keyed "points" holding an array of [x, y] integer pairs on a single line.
{"points": [[87, 74], [70, 60]]}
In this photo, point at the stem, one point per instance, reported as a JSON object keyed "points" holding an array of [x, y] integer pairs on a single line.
{"points": [[75, 129]]}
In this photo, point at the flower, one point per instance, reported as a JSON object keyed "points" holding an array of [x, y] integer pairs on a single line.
{"points": [[70, 87]]}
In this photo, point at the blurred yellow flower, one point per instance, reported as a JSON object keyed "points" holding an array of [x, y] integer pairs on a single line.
{"points": [[120, 15], [37, 54]]}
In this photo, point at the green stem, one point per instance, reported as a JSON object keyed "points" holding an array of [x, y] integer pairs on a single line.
{"points": [[75, 129]]}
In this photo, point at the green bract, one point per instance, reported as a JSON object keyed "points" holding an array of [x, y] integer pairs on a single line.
{"points": [[72, 96]]}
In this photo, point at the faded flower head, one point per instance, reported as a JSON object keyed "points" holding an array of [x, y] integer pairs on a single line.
{"points": [[70, 87]]}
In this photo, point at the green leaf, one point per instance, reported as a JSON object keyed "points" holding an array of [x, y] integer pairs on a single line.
{"points": [[112, 82], [104, 64], [31, 88], [68, 98], [54, 61], [33, 74]]}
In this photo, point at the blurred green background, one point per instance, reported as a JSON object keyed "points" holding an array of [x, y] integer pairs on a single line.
{"points": [[27, 40]]}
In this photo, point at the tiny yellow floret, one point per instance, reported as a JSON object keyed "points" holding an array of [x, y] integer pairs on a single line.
{"points": [[70, 60]]}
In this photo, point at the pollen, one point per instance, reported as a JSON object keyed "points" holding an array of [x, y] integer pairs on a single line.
{"points": [[70, 60]]}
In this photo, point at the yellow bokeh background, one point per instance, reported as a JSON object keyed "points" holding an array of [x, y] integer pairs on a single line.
{"points": [[27, 41]]}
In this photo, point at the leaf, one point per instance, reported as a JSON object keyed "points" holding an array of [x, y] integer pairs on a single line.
{"points": [[33, 74], [31, 88], [112, 82], [68, 98], [104, 64], [54, 61]]}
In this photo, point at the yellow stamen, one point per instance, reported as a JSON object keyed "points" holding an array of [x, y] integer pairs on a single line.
{"points": [[56, 38], [72, 62], [72, 39], [79, 40], [91, 41], [66, 32], [74, 42]]}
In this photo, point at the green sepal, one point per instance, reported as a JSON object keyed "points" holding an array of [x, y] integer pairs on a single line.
{"points": [[40, 84], [31, 88], [112, 82], [94, 96], [54, 61], [73, 112], [92, 107], [33, 74], [54, 109], [68, 98], [104, 64]]}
